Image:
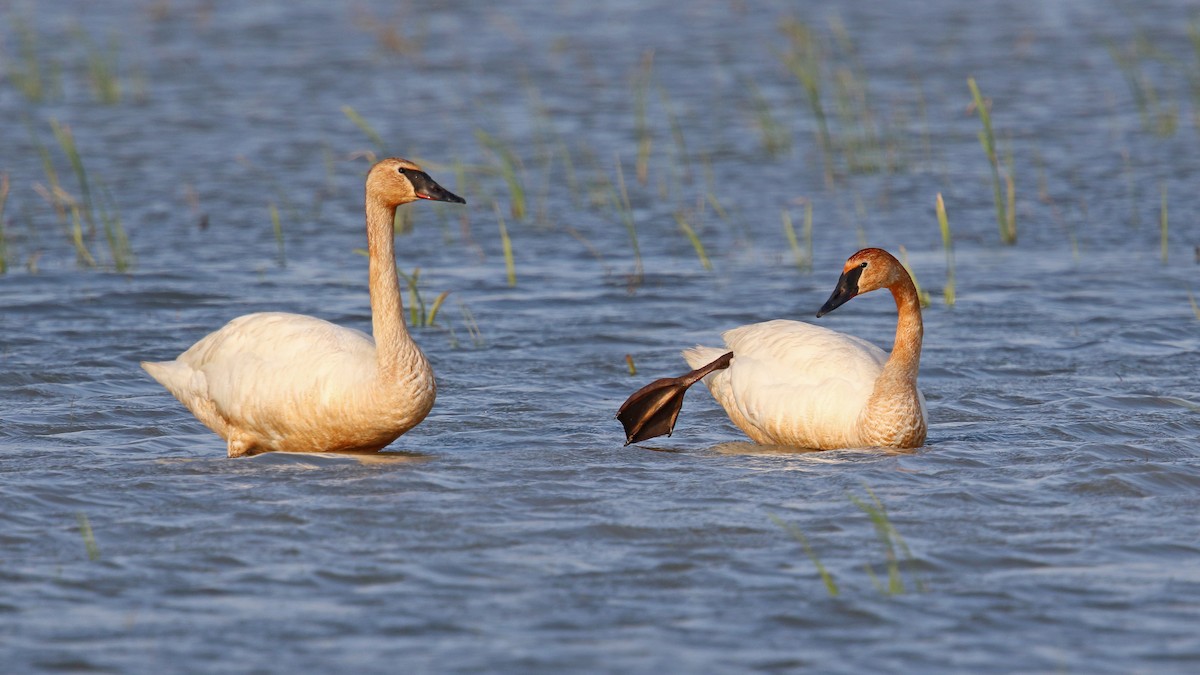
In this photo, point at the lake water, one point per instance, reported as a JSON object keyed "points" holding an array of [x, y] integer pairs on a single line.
{"points": [[1050, 523]]}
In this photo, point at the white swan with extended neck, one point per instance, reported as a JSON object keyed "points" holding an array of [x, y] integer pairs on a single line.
{"points": [[287, 382], [793, 383]]}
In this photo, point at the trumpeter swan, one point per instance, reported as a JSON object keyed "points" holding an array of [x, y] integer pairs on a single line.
{"points": [[295, 383], [793, 383]]}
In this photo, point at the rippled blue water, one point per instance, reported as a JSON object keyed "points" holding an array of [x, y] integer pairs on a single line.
{"points": [[1049, 524]]}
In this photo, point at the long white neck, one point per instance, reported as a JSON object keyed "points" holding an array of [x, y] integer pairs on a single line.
{"points": [[395, 350]]}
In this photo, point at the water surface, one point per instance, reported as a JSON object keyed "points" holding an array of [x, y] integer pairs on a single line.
{"points": [[1049, 522]]}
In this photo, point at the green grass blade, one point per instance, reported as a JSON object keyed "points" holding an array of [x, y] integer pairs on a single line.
{"points": [[922, 295], [3, 235], [416, 307], [366, 128], [826, 578], [621, 201], [509, 170], [437, 305], [878, 516], [510, 266], [277, 228], [1162, 222], [89, 539], [472, 326], [948, 246], [81, 251], [114, 233], [803, 254], [987, 139], [66, 141], [695, 239]]}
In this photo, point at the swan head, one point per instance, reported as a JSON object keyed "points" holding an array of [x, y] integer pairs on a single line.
{"points": [[868, 270], [396, 181]]}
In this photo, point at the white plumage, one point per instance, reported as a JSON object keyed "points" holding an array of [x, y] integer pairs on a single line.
{"points": [[276, 381], [788, 375]]}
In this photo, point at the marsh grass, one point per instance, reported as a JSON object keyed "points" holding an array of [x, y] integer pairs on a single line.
{"points": [[473, 331], [645, 138], [74, 212], [509, 169], [402, 35], [83, 255], [66, 141], [277, 228], [417, 313], [690, 233], [1158, 115], [106, 211], [922, 295], [53, 192], [775, 137], [831, 586], [114, 233], [894, 547], [1131, 187], [365, 127], [26, 71], [89, 538], [803, 254], [620, 199], [859, 138], [41, 81], [681, 160], [862, 142], [1008, 227], [102, 67], [1162, 222], [803, 58], [1194, 71], [3, 234], [1195, 307], [510, 266], [948, 246], [633, 368]]}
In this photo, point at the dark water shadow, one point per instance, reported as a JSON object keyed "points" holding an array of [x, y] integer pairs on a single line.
{"points": [[755, 449], [339, 458]]}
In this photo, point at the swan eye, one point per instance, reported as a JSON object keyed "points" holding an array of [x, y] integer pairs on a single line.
{"points": [[863, 266], [400, 170]]}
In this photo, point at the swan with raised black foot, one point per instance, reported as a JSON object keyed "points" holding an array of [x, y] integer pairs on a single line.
{"points": [[796, 384]]}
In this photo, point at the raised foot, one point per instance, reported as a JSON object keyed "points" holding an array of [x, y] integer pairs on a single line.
{"points": [[652, 410]]}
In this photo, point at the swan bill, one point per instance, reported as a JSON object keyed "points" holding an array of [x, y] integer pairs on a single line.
{"points": [[847, 288], [651, 411], [427, 188]]}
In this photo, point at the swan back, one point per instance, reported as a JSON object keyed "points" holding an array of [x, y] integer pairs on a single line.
{"points": [[793, 383]]}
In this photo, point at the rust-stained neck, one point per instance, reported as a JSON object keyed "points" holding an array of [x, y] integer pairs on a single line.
{"points": [[905, 359], [392, 340], [894, 415]]}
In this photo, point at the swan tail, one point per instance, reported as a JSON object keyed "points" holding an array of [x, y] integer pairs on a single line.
{"points": [[652, 410], [698, 357], [173, 375]]}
